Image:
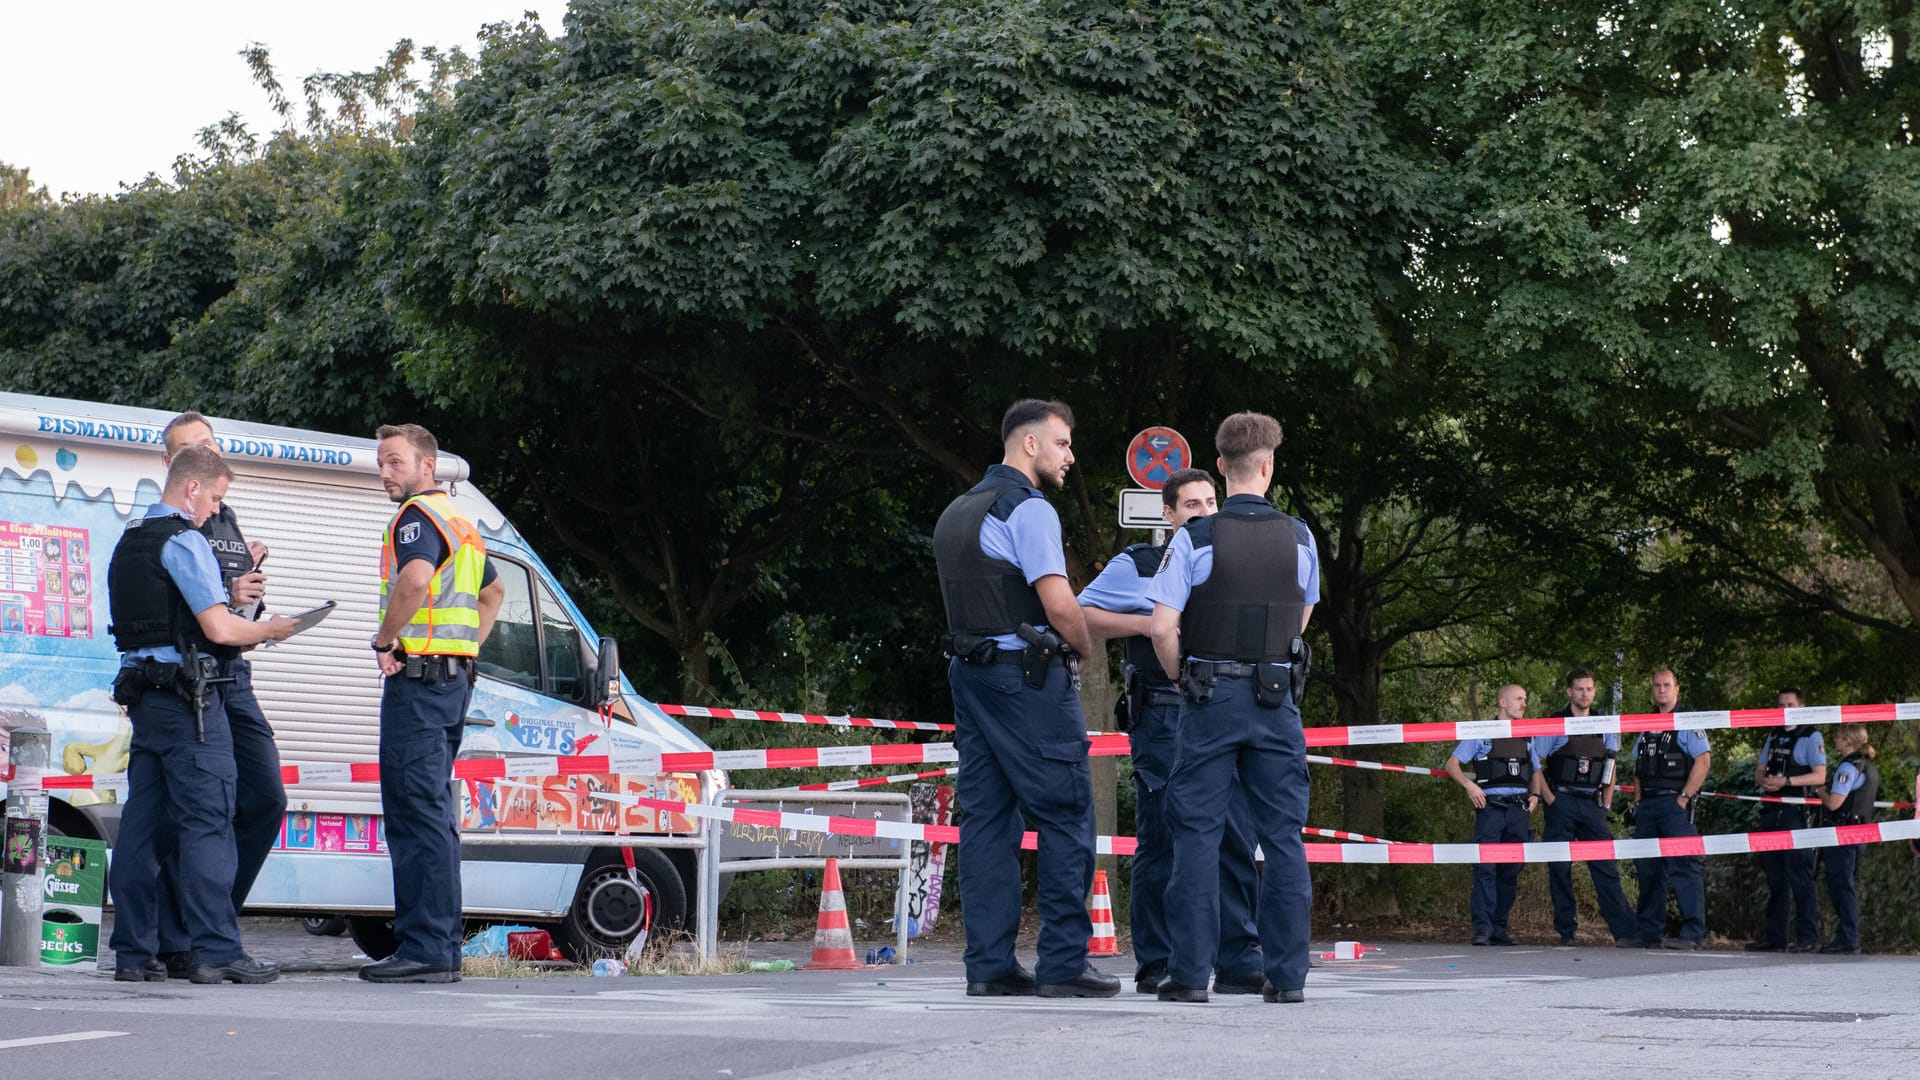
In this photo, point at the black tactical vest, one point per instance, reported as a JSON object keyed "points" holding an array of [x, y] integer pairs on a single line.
{"points": [[1583, 761], [222, 530], [1778, 751], [146, 607], [1858, 807], [1507, 764], [1660, 767], [1249, 607], [1138, 648], [983, 595]]}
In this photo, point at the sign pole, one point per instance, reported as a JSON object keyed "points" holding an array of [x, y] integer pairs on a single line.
{"points": [[25, 853]]}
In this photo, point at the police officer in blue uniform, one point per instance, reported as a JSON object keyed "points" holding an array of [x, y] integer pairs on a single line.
{"points": [[169, 610], [1231, 601], [260, 797], [1503, 800], [1117, 607], [1848, 801], [1576, 781], [1792, 763], [1013, 630], [1669, 768]]}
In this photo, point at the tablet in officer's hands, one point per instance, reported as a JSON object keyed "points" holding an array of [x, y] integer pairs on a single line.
{"points": [[310, 618]]}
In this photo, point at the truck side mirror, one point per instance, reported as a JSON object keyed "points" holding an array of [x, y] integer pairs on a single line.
{"points": [[606, 672]]}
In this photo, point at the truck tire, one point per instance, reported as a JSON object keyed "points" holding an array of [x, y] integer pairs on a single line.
{"points": [[323, 925], [374, 934], [608, 907]]}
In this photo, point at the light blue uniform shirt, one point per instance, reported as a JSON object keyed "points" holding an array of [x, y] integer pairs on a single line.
{"points": [[1847, 779], [1119, 588], [1030, 540], [1545, 745], [1808, 750], [189, 560], [1472, 750], [1184, 569]]}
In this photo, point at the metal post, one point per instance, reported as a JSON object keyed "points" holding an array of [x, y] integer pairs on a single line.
{"points": [[900, 910], [24, 855], [708, 936]]}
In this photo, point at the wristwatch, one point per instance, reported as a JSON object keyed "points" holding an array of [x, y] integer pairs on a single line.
{"points": [[375, 645]]}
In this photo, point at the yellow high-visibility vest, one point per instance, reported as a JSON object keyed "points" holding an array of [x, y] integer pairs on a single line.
{"points": [[448, 624]]}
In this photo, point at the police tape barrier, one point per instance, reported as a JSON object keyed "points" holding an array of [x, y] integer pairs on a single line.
{"points": [[875, 781], [1420, 770], [1372, 851], [1617, 724], [1336, 834], [704, 712]]}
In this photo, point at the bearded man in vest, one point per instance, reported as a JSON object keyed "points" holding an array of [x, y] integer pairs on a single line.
{"points": [[438, 599], [1013, 629], [1576, 781], [1230, 603], [1501, 792]]}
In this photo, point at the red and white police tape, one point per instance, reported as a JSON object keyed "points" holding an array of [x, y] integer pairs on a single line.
{"points": [[709, 713]]}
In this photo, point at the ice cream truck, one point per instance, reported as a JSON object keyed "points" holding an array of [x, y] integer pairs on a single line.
{"points": [[534, 840]]}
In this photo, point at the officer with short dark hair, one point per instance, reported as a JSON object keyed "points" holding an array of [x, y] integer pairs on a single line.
{"points": [[1576, 780], [1669, 768], [260, 796], [1013, 629], [1231, 601], [1117, 607], [1503, 801], [1848, 801], [438, 599], [1792, 763], [169, 610]]}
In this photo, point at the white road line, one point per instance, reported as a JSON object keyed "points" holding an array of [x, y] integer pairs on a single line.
{"points": [[75, 1036]]}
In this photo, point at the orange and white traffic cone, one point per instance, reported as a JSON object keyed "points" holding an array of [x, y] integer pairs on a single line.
{"points": [[832, 938], [1103, 943]]}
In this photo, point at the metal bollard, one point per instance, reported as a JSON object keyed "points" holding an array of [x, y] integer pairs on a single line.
{"points": [[29, 755]]}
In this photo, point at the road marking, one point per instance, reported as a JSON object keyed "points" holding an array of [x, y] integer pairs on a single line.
{"points": [[76, 1036]]}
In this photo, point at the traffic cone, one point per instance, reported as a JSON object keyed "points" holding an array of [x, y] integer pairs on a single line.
{"points": [[832, 939], [1103, 943]]}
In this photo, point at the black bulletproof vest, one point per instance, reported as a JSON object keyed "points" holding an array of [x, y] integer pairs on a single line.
{"points": [[1138, 648], [1660, 766], [1507, 764], [1249, 607], [1858, 807], [1779, 757], [222, 530], [1582, 761], [983, 595], [146, 607]]}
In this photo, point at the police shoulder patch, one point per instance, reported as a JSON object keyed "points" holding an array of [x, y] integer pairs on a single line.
{"points": [[409, 532], [1166, 558]]}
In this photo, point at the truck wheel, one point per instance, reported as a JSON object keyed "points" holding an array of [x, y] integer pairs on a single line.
{"points": [[374, 934], [323, 925], [610, 907]]}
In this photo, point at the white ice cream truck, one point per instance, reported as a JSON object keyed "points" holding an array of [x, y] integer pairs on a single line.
{"points": [[72, 474]]}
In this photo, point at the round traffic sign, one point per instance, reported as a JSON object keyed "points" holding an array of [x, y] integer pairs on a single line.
{"points": [[1155, 454]]}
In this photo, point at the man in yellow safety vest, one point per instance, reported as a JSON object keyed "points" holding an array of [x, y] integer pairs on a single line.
{"points": [[438, 599]]}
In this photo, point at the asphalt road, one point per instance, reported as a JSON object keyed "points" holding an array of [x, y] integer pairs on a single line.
{"points": [[1410, 1011]]}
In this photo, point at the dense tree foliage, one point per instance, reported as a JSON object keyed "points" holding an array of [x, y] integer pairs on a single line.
{"points": [[1594, 326]]}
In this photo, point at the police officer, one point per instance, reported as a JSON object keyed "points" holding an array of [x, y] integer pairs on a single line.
{"points": [[1793, 762], [1848, 801], [438, 599], [169, 610], [260, 798], [1117, 607], [1669, 768], [1230, 603], [1503, 801], [1012, 628], [1576, 780]]}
